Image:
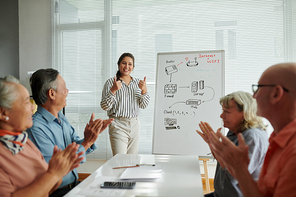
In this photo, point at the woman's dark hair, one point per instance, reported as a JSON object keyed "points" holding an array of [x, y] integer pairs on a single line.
{"points": [[118, 74], [41, 81]]}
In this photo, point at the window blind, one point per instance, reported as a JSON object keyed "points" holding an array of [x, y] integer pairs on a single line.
{"points": [[254, 34]]}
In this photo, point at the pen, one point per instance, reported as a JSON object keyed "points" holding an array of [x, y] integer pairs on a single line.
{"points": [[126, 167], [138, 165], [146, 164]]}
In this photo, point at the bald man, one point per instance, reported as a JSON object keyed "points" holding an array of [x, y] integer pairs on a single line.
{"points": [[276, 100]]}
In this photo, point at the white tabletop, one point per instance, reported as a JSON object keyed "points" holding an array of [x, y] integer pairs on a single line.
{"points": [[180, 176]]}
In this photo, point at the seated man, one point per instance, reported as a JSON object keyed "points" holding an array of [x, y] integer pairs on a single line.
{"points": [[276, 100], [51, 127]]}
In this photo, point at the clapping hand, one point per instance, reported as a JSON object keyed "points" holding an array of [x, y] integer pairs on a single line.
{"points": [[206, 130], [230, 156], [106, 122], [62, 162], [93, 129]]}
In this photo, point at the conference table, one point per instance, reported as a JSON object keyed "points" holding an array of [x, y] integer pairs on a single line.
{"points": [[180, 176]]}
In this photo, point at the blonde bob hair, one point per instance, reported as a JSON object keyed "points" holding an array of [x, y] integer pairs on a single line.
{"points": [[245, 102]]}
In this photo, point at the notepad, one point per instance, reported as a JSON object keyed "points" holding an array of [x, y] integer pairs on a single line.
{"points": [[142, 173]]}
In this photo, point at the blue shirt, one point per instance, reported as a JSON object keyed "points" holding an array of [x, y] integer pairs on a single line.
{"points": [[47, 131]]}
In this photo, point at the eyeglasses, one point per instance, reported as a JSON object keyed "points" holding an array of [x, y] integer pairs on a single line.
{"points": [[256, 87]]}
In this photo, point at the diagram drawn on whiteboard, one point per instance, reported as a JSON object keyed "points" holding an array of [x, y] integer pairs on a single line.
{"points": [[199, 92], [171, 123], [169, 70], [170, 90], [189, 85], [192, 63], [195, 85], [197, 89]]}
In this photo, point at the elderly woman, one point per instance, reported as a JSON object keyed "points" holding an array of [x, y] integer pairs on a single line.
{"points": [[239, 116], [23, 171]]}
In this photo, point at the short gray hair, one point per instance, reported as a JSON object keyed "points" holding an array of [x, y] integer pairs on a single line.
{"points": [[41, 81], [8, 91], [245, 102]]}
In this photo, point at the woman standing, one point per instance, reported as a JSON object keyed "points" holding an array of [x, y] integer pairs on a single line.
{"points": [[239, 116], [122, 98]]}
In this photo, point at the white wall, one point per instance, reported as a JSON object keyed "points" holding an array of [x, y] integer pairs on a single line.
{"points": [[35, 43], [9, 40]]}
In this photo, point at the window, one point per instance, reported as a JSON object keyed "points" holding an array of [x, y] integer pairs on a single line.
{"points": [[91, 35]]}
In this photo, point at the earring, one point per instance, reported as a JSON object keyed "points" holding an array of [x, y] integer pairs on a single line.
{"points": [[6, 118]]}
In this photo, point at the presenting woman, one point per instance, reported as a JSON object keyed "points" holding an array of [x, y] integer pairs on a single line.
{"points": [[122, 98], [23, 171], [239, 116]]}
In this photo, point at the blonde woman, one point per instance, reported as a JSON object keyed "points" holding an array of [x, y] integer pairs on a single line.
{"points": [[239, 116]]}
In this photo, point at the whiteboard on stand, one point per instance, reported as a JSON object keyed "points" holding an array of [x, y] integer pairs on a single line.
{"points": [[188, 88]]}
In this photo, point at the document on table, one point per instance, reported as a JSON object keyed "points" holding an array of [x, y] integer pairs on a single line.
{"points": [[94, 188], [142, 173]]}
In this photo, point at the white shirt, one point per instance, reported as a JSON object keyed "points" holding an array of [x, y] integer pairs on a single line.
{"points": [[126, 102]]}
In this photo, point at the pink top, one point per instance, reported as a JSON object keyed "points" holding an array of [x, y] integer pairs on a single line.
{"points": [[20, 170], [277, 177]]}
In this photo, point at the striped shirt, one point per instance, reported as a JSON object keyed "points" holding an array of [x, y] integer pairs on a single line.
{"points": [[126, 102]]}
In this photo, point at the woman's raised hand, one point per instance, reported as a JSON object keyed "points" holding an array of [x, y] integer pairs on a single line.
{"points": [[116, 86], [142, 86], [206, 130]]}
